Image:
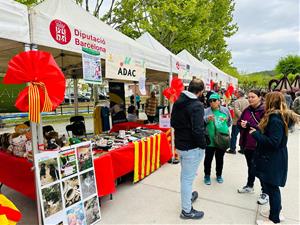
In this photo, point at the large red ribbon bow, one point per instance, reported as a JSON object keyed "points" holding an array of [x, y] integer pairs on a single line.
{"points": [[172, 93], [47, 83]]}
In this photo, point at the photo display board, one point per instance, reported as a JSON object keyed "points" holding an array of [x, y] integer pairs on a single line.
{"points": [[67, 186]]}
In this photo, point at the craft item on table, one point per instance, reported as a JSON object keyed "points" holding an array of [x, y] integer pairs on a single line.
{"points": [[17, 145], [5, 141], [73, 141], [62, 141], [22, 129], [52, 140], [9, 214]]}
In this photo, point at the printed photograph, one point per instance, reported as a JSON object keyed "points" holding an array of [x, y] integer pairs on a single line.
{"points": [[52, 201], [84, 156], [88, 186], [71, 191], [68, 165], [92, 211], [75, 215], [48, 171]]}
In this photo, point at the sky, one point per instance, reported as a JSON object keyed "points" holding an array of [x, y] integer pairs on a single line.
{"points": [[268, 30]]}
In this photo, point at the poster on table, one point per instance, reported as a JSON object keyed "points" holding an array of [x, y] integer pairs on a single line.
{"points": [[120, 67], [117, 102], [91, 66], [67, 186]]}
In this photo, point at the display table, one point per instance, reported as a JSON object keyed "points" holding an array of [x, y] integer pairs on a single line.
{"points": [[131, 125], [17, 173], [122, 162]]}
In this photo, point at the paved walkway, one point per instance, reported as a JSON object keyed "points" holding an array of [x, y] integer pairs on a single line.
{"points": [[156, 199]]}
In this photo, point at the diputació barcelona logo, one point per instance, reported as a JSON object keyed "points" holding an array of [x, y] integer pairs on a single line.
{"points": [[60, 32]]}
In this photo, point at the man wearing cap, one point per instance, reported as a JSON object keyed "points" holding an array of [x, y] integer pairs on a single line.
{"points": [[215, 117], [187, 121], [238, 107]]}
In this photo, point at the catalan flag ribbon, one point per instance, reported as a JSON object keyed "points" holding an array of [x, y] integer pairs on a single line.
{"points": [[146, 157], [34, 99]]}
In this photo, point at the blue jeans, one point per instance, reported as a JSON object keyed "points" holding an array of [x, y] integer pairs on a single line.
{"points": [[189, 161], [234, 133]]}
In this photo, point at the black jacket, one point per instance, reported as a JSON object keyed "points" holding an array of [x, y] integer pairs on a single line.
{"points": [[188, 122], [271, 161]]}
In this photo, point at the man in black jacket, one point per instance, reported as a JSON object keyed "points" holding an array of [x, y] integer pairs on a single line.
{"points": [[187, 120]]}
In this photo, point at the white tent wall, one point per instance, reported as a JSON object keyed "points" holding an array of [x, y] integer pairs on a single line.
{"points": [[194, 62], [14, 30], [221, 76], [147, 40], [78, 28]]}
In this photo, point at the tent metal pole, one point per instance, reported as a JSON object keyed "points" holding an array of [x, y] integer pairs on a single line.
{"points": [[173, 160], [35, 150], [75, 95]]}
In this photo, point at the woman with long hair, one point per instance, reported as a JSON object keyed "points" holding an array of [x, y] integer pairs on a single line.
{"points": [[271, 160], [251, 117]]}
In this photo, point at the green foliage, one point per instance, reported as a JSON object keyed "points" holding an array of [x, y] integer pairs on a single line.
{"points": [[29, 2], [289, 65], [200, 26]]}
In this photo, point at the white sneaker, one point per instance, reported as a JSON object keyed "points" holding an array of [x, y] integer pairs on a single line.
{"points": [[263, 199], [266, 213], [245, 189], [261, 222]]}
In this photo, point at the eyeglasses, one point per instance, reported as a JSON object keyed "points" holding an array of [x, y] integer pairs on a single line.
{"points": [[213, 100]]}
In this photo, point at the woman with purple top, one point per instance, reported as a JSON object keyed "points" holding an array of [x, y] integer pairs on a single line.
{"points": [[250, 118]]}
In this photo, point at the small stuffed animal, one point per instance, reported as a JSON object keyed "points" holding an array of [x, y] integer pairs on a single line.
{"points": [[17, 145], [52, 140]]}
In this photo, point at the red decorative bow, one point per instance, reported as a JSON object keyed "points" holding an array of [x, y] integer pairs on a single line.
{"points": [[229, 91], [47, 83], [172, 93]]}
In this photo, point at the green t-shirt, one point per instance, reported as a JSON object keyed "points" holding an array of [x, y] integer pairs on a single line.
{"points": [[221, 125]]}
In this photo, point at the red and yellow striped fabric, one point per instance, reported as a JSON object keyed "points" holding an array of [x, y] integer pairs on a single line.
{"points": [[146, 157], [34, 99]]}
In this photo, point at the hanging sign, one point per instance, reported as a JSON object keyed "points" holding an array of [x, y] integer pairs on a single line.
{"points": [[124, 67], [67, 185], [184, 72], [142, 85], [91, 66]]}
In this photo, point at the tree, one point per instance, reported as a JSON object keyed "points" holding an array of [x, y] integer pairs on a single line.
{"points": [[289, 65], [221, 22], [200, 26]]}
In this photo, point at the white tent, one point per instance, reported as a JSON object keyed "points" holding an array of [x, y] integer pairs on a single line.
{"points": [[14, 30], [218, 75], [177, 63], [194, 62], [63, 28]]}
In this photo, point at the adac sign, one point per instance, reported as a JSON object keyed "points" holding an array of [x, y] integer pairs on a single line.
{"points": [[124, 67], [60, 32]]}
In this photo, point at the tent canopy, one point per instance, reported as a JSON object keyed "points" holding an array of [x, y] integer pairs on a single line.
{"points": [[194, 62], [14, 30], [147, 40], [219, 75], [51, 26]]}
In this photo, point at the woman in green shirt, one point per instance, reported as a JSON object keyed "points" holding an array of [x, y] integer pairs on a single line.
{"points": [[216, 117]]}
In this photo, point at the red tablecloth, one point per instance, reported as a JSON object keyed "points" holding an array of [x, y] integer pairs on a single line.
{"points": [[122, 163], [17, 174]]}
